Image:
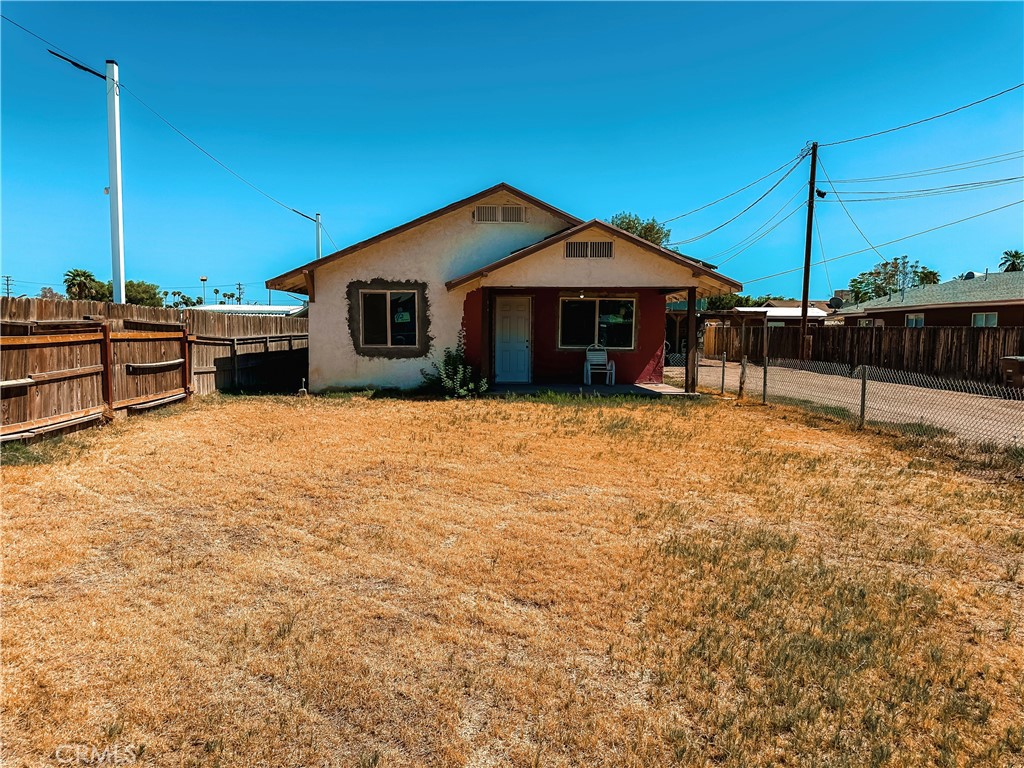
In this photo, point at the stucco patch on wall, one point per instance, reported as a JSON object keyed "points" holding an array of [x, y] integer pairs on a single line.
{"points": [[423, 338]]}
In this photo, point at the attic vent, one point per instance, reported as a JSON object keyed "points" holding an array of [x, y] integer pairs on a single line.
{"points": [[588, 250], [487, 213], [513, 213], [506, 214]]}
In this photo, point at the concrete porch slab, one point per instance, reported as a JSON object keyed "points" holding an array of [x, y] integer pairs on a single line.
{"points": [[594, 390]]}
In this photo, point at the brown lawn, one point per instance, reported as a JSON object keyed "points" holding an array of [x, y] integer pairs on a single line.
{"points": [[359, 582]]}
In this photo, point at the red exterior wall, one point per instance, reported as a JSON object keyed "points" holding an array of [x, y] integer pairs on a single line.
{"points": [[552, 365]]}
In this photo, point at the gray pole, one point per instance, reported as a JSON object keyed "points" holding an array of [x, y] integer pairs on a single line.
{"points": [[318, 251], [723, 373], [863, 394], [203, 281], [114, 161], [764, 382]]}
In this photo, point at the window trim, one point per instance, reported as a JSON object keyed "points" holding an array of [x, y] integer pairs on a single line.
{"points": [[913, 316], [387, 292], [597, 321], [984, 314]]}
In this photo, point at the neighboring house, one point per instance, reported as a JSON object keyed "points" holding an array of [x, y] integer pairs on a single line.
{"points": [[531, 287], [786, 315], [984, 300]]}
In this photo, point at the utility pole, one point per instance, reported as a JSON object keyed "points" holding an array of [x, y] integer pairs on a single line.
{"points": [[318, 228], [241, 291], [114, 159], [807, 252], [114, 164], [7, 285]]}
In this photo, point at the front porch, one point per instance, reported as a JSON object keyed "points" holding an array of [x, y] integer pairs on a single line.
{"points": [[531, 339]]}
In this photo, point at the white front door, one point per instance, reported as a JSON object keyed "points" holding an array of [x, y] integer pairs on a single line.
{"points": [[512, 339]]}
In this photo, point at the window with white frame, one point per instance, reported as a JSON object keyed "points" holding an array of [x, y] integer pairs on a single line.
{"points": [[576, 249], [388, 318], [500, 214], [914, 320], [610, 322], [985, 319]]}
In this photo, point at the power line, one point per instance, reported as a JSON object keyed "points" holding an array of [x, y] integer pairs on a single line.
{"points": [[328, 235], [937, 192], [890, 242], [730, 221], [758, 230], [1006, 157], [824, 261], [741, 189], [848, 215], [209, 155], [77, 61], [925, 120], [767, 232]]}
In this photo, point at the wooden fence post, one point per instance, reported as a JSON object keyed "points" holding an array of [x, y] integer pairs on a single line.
{"points": [[764, 383], [743, 376], [186, 366], [863, 395], [107, 359], [234, 363]]}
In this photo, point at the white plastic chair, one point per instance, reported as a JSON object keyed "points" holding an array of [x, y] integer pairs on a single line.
{"points": [[597, 362]]}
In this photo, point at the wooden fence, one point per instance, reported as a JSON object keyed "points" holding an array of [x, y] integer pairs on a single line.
{"points": [[66, 363], [950, 352]]}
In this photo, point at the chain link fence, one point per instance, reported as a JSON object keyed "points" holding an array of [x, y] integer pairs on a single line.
{"points": [[869, 396]]}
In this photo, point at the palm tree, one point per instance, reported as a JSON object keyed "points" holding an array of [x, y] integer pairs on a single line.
{"points": [[1012, 261], [78, 283]]}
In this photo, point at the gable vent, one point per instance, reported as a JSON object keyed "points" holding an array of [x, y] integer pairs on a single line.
{"points": [[588, 250], [513, 214], [487, 213]]}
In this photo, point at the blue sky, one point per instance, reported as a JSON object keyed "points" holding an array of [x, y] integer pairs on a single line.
{"points": [[375, 113]]}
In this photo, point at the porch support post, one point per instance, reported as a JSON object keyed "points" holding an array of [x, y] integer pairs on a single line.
{"points": [[691, 339]]}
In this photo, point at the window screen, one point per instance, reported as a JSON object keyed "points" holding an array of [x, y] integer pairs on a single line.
{"points": [[615, 323], [403, 319]]}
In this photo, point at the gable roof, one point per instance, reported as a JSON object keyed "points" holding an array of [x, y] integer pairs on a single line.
{"points": [[983, 289], [294, 278], [698, 267]]}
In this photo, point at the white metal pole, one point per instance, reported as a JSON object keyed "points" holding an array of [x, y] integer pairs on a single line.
{"points": [[318, 252], [114, 157]]}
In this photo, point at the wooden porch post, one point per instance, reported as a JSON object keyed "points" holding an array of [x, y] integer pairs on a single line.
{"points": [[691, 339]]}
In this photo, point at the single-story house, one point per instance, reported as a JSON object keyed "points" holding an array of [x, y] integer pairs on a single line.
{"points": [[981, 300], [779, 317], [529, 285]]}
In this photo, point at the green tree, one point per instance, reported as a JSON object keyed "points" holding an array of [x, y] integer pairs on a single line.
{"points": [[79, 284], [48, 293], [649, 230], [891, 276], [143, 293], [1012, 261], [732, 300]]}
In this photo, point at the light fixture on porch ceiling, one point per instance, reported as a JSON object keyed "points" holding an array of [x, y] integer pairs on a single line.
{"points": [[581, 294]]}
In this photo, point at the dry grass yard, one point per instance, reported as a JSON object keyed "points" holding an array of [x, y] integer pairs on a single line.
{"points": [[380, 582]]}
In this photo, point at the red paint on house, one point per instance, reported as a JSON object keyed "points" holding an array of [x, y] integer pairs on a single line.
{"points": [[643, 364]]}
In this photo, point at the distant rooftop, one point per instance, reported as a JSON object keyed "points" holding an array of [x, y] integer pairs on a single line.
{"points": [[982, 289]]}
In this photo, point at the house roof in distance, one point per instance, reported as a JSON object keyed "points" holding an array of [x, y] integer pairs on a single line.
{"points": [[994, 287]]}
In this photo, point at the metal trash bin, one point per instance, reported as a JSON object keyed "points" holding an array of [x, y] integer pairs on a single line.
{"points": [[1012, 369]]}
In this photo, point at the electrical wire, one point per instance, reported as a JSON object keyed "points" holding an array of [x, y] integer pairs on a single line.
{"points": [[925, 120], [43, 39], [767, 232], [895, 195], [334, 244], [800, 156], [889, 242], [771, 189], [848, 214], [967, 165], [758, 230], [824, 261]]}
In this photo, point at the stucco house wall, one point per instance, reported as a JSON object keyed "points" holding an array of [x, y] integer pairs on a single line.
{"points": [[432, 253]]}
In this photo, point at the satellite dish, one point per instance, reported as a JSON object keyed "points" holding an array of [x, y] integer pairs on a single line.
{"points": [[835, 303], [970, 276]]}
